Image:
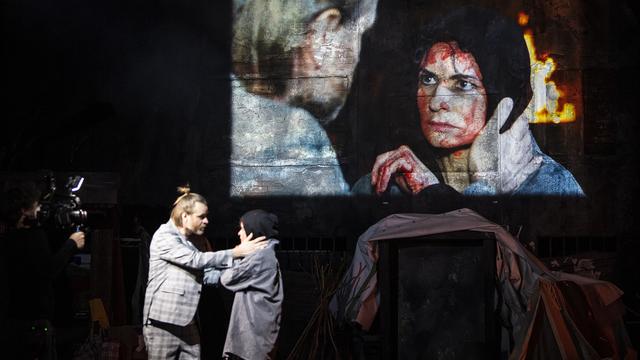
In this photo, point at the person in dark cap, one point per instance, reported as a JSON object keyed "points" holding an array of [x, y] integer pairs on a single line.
{"points": [[257, 283]]}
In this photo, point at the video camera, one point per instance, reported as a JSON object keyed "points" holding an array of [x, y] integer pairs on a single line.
{"points": [[62, 208]]}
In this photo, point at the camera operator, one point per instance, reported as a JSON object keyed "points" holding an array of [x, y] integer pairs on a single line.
{"points": [[31, 267]]}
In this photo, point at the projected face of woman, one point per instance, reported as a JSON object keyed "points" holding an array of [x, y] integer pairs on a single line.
{"points": [[451, 98]]}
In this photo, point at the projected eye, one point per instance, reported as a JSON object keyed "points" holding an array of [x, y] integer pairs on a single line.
{"points": [[428, 78], [465, 85]]}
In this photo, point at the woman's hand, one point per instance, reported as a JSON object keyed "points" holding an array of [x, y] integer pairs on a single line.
{"points": [[411, 174], [249, 246], [503, 161]]}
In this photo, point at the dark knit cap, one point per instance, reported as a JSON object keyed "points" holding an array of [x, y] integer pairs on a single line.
{"points": [[260, 223]]}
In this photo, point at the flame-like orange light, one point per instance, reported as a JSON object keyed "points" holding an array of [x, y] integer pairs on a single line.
{"points": [[544, 104], [523, 18]]}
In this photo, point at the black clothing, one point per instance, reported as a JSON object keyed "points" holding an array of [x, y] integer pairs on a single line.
{"points": [[33, 267]]}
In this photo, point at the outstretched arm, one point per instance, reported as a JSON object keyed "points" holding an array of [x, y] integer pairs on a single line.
{"points": [[249, 246], [212, 275], [168, 247]]}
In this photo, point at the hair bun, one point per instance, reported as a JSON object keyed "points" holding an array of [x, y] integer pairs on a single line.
{"points": [[184, 189]]}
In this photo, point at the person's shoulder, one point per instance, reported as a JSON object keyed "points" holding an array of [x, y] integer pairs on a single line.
{"points": [[165, 230], [166, 227], [551, 179], [253, 112], [272, 244], [304, 122], [266, 254]]}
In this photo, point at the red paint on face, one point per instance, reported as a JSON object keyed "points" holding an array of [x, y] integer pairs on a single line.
{"points": [[451, 98]]}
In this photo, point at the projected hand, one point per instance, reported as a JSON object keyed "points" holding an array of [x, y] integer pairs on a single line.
{"points": [[503, 161], [410, 173]]}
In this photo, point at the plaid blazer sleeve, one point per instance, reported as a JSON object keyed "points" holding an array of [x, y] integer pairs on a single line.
{"points": [[172, 248], [176, 276]]}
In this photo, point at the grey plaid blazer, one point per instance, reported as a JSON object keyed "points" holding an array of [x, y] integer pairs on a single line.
{"points": [[175, 276]]}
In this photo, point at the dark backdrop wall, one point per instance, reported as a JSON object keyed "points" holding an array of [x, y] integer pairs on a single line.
{"points": [[142, 89]]}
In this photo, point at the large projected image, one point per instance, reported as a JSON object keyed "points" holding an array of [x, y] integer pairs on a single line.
{"points": [[286, 99], [293, 66], [475, 102]]}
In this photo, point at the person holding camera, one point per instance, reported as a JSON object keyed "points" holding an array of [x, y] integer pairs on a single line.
{"points": [[30, 269]]}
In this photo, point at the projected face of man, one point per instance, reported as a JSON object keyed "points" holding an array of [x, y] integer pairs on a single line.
{"points": [[451, 98], [327, 60], [292, 55]]}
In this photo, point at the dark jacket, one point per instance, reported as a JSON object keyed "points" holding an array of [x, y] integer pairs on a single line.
{"points": [[255, 316]]}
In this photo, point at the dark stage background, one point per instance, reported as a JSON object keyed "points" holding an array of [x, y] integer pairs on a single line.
{"points": [[141, 89]]}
